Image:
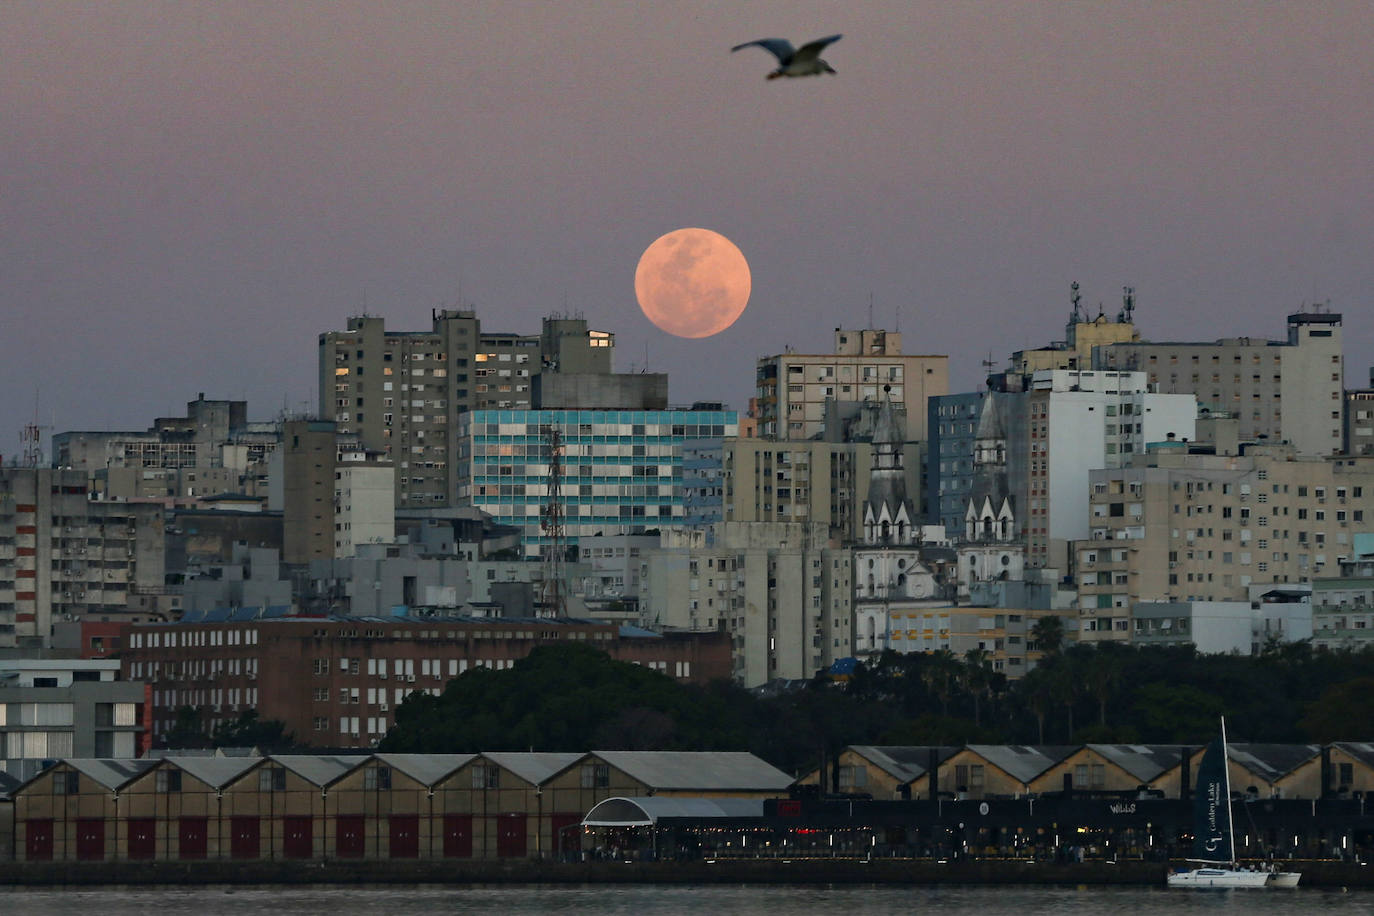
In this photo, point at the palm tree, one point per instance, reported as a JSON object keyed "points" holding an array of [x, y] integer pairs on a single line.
{"points": [[1038, 689], [938, 673], [977, 678]]}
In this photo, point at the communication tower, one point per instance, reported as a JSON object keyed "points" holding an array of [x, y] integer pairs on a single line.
{"points": [[555, 546]]}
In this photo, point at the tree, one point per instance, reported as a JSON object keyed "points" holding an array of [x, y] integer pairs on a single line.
{"points": [[186, 731], [1177, 713], [977, 678], [249, 731], [1340, 710], [1047, 634]]}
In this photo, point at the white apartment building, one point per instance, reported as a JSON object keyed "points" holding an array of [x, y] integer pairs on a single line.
{"points": [[1074, 422], [364, 502]]}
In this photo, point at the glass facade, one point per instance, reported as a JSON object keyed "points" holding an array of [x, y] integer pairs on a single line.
{"points": [[622, 469]]}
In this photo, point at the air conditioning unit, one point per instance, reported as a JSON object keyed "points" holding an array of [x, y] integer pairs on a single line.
{"points": [[384, 707], [410, 678], [382, 675]]}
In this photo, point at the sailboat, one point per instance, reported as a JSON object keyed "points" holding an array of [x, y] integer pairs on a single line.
{"points": [[1214, 846]]}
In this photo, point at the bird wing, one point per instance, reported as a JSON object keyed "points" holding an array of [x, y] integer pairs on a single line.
{"points": [[812, 49], [780, 48]]}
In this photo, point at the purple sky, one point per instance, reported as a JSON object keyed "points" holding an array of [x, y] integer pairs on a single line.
{"points": [[191, 192]]}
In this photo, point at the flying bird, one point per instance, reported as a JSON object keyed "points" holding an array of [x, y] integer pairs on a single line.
{"points": [[803, 61]]}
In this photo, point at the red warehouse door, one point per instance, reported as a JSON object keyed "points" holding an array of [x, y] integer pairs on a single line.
{"points": [[38, 840], [350, 838], [142, 838], [567, 834], [299, 839], [458, 836], [244, 837], [191, 838], [510, 836], [405, 836], [90, 838]]}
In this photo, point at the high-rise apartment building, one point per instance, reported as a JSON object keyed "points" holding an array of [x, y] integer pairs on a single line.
{"points": [[65, 556], [335, 493], [1358, 430], [1175, 526], [867, 365], [797, 481], [780, 591], [402, 391], [1280, 391]]}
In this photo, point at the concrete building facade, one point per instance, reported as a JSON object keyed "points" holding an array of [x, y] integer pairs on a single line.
{"points": [[402, 391], [793, 388], [780, 590], [808, 481], [51, 708], [213, 449], [1281, 391], [621, 470], [64, 556], [1186, 527]]}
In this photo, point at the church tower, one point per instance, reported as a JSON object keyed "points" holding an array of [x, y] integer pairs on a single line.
{"points": [[888, 512]]}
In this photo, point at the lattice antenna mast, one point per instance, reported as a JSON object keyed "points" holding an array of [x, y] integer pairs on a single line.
{"points": [[555, 547]]}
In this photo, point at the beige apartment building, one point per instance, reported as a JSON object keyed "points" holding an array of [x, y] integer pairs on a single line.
{"points": [[400, 391], [867, 365], [1281, 391], [807, 481], [781, 591], [1178, 527]]}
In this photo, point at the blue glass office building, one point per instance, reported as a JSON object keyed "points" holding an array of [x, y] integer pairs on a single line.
{"points": [[622, 469]]}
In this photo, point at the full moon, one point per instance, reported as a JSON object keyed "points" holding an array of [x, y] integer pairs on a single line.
{"points": [[692, 282]]}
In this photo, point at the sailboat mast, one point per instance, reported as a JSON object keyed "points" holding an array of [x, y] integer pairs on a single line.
{"points": [[1226, 771]]}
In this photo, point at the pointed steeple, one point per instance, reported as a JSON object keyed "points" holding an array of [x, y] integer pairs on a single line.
{"points": [[888, 512]]}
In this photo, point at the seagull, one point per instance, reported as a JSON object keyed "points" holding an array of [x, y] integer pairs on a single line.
{"points": [[803, 61]]}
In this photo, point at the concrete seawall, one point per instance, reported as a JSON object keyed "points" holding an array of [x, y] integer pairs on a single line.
{"points": [[740, 871]]}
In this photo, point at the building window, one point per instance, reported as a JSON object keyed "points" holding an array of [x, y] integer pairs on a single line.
{"points": [[596, 776], [272, 779], [485, 776], [169, 781], [377, 779]]}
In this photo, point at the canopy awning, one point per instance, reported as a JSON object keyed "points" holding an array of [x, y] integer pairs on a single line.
{"points": [[648, 811]]}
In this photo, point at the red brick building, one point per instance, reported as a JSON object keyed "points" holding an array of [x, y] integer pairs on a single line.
{"points": [[337, 682]]}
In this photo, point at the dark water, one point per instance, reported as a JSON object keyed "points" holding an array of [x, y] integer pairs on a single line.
{"points": [[639, 899]]}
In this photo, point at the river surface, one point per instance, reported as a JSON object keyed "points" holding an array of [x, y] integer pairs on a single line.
{"points": [[511, 900]]}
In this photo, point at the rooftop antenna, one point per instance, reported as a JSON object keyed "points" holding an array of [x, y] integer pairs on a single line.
{"points": [[988, 365], [870, 310], [1074, 299], [1127, 304], [31, 437], [898, 319]]}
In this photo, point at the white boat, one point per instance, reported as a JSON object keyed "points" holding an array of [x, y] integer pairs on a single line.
{"points": [[1214, 846]]}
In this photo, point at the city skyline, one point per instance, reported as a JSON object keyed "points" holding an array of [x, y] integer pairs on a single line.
{"points": [[196, 193]]}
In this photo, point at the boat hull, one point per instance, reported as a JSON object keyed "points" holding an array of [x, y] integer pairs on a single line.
{"points": [[1219, 878], [1285, 878]]}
